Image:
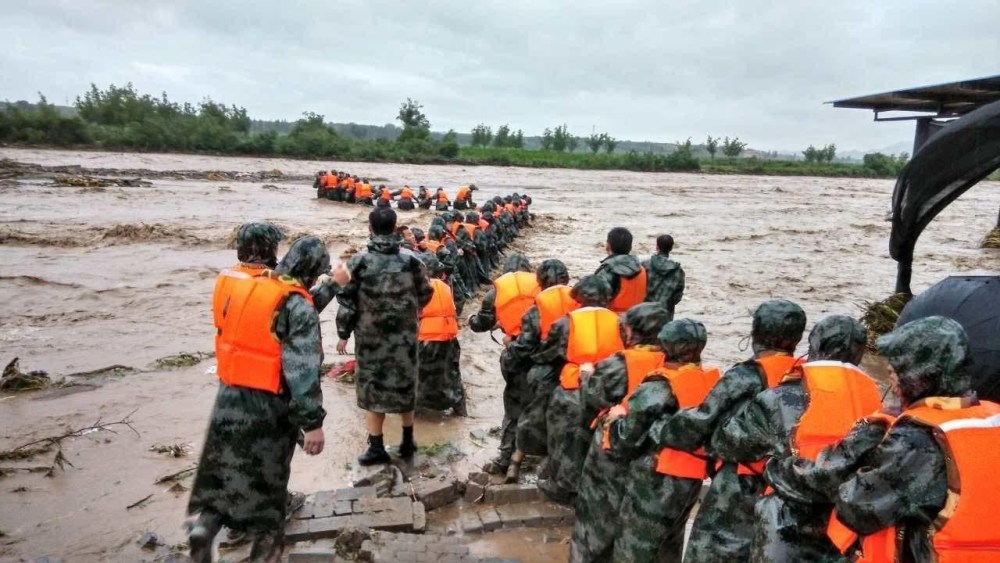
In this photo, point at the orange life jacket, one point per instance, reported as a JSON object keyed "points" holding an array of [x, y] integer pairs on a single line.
{"points": [[463, 193], [471, 229], [509, 207], [553, 304], [639, 362], [433, 245], [593, 336], [244, 308], [224, 284], [348, 184], [965, 530], [774, 368], [484, 224], [363, 190], [327, 181], [690, 384], [442, 197], [385, 194], [453, 228], [406, 193], [839, 394], [515, 294], [631, 292], [438, 322]]}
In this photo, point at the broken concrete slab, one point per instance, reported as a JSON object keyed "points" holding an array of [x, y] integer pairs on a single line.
{"points": [[435, 493], [512, 494]]}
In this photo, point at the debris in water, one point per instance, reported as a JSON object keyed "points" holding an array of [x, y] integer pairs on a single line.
{"points": [[880, 316], [182, 360], [175, 476], [173, 450], [343, 373], [149, 541], [992, 240], [35, 447], [271, 187], [13, 379], [138, 502]]}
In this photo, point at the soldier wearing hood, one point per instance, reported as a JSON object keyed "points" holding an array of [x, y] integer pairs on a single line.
{"points": [[723, 529], [815, 405], [577, 341], [481, 241], [381, 307], [467, 263], [445, 250], [612, 381], [664, 277], [925, 492], [622, 271], [662, 484], [265, 403], [439, 385]]}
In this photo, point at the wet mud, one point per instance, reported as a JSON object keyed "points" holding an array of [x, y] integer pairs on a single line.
{"points": [[99, 283]]}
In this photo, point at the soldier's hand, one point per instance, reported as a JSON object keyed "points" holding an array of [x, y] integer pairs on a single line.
{"points": [[342, 347], [616, 412], [341, 275], [314, 441], [586, 370]]}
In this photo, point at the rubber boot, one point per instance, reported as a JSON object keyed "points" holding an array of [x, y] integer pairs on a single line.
{"points": [[266, 548], [407, 447], [376, 453], [513, 473], [201, 536]]}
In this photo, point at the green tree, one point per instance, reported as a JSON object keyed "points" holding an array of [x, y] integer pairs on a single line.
{"points": [[712, 145], [415, 122], [502, 138], [560, 138], [572, 142], [595, 142], [733, 147], [811, 154], [311, 136], [449, 144], [547, 139], [481, 135], [609, 143], [828, 152], [517, 140]]}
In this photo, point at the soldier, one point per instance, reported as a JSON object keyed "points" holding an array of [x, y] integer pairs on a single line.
{"points": [[266, 402], [441, 202], [468, 263], [503, 306], [380, 306], [814, 406], [622, 271], [577, 341], [384, 195], [664, 277], [439, 386], [446, 252], [928, 491], [424, 200], [662, 484], [481, 243], [723, 529], [405, 202], [611, 383]]}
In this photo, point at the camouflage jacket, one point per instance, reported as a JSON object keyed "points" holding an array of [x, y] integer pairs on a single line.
{"points": [[618, 266], [486, 319], [664, 281], [517, 355], [653, 400]]}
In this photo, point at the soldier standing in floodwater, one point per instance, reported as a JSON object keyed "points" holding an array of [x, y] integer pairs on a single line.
{"points": [[664, 277], [264, 404], [380, 306]]}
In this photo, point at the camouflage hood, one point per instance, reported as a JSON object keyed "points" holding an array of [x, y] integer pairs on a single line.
{"points": [[592, 291], [257, 243], [434, 266], [778, 324], [930, 356], [624, 265], [305, 261], [552, 272], [418, 234], [385, 244], [683, 340], [645, 321], [516, 263], [662, 265], [838, 338], [436, 232]]}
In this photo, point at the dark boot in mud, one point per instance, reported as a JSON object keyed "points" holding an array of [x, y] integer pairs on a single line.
{"points": [[460, 408], [497, 465], [513, 473], [266, 548], [407, 447], [201, 535], [376, 453]]}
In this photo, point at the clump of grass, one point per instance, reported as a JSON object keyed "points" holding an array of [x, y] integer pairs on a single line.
{"points": [[880, 316], [13, 379], [992, 239]]}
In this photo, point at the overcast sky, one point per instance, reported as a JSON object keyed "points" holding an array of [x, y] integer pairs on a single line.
{"points": [[641, 70]]}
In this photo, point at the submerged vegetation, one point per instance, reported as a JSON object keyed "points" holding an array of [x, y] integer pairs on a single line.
{"points": [[122, 118]]}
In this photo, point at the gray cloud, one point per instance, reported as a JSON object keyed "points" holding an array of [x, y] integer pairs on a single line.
{"points": [[640, 69]]}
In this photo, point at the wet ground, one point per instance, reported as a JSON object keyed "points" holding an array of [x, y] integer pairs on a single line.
{"points": [[95, 277]]}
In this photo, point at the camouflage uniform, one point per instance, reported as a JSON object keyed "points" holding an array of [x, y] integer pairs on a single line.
{"points": [[380, 305], [664, 281], [905, 482], [514, 384], [603, 473], [618, 266], [654, 507], [245, 463], [481, 241], [439, 385], [788, 531], [723, 529], [567, 438]]}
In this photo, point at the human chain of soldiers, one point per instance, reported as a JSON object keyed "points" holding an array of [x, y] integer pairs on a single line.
{"points": [[347, 188], [804, 461]]}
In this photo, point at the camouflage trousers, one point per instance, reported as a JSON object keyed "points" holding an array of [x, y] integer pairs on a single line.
{"points": [[532, 432], [600, 494], [723, 529], [653, 512], [514, 398], [786, 530], [567, 444], [439, 383]]}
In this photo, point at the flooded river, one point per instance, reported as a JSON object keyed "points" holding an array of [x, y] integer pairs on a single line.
{"points": [[122, 276]]}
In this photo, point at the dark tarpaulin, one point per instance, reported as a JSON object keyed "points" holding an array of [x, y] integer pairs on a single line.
{"points": [[974, 302], [954, 159]]}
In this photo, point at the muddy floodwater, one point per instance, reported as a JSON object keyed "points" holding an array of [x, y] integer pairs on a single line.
{"points": [[93, 277]]}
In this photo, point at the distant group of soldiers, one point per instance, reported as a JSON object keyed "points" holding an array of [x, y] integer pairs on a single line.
{"points": [[347, 188]]}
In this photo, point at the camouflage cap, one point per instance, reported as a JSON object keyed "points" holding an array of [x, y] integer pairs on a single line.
{"points": [[930, 355], [516, 263], [683, 340], [434, 266], [472, 217], [645, 321], [436, 232], [838, 338], [257, 243], [417, 233], [778, 324], [592, 291], [438, 221], [305, 261], [552, 272]]}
